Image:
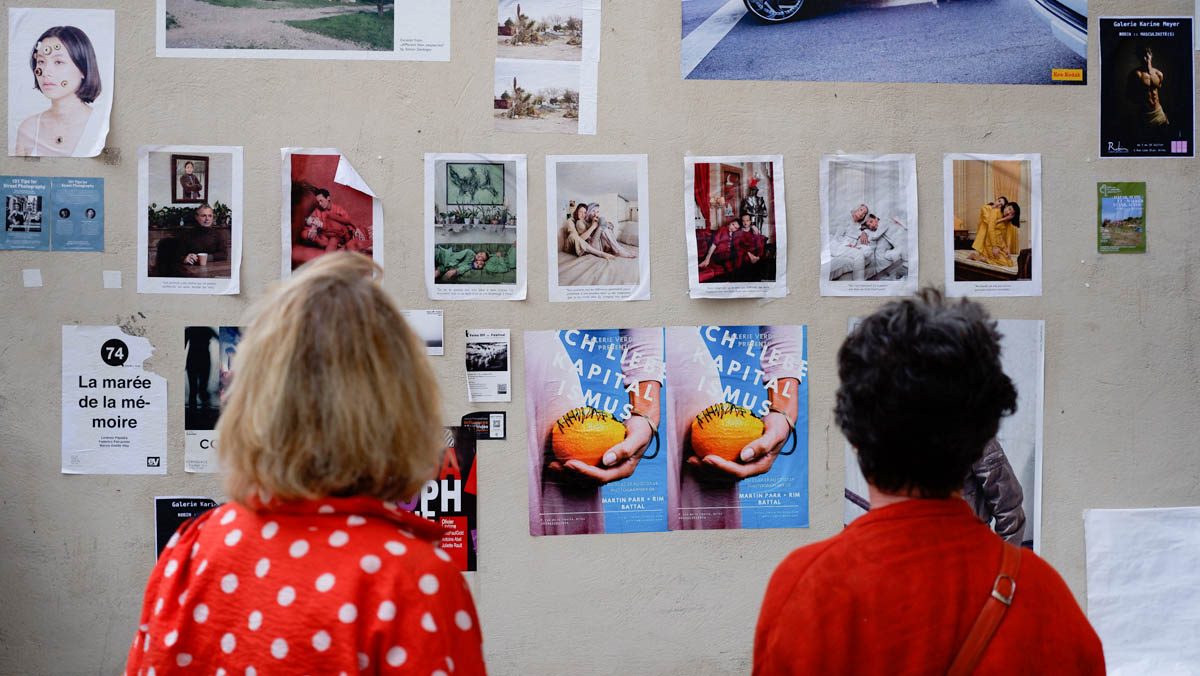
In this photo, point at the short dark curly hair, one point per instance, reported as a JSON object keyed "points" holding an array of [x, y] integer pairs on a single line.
{"points": [[922, 391]]}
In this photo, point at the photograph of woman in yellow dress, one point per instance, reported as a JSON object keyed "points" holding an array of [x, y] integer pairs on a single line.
{"points": [[996, 237]]}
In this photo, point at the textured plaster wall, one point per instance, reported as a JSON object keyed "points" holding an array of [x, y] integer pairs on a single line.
{"points": [[1122, 389]]}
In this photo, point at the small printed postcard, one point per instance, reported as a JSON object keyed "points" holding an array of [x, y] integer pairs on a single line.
{"points": [[868, 225], [1147, 89], [735, 226], [598, 227], [429, 327], [190, 219], [52, 214], [476, 220], [993, 224], [1121, 217], [327, 206], [489, 377], [364, 30]]}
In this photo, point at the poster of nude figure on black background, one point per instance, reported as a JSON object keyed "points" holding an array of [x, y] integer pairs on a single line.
{"points": [[1146, 87]]}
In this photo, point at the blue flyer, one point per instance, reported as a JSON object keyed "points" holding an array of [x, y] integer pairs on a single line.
{"points": [[60, 214]]}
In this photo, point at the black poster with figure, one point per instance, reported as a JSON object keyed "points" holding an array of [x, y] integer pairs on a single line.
{"points": [[1146, 87], [171, 512]]}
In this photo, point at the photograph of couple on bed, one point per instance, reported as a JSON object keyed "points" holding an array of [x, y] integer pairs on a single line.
{"points": [[991, 231], [735, 222], [597, 205], [870, 218]]}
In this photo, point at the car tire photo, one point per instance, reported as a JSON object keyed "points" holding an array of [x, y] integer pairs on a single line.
{"points": [[774, 11]]}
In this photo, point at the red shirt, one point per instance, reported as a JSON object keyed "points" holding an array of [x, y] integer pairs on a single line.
{"points": [[897, 592], [321, 587]]}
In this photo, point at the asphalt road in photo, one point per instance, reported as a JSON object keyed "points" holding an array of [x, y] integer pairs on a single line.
{"points": [[964, 41]]}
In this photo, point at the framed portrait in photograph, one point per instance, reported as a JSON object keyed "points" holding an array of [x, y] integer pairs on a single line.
{"points": [[190, 182], [474, 183]]}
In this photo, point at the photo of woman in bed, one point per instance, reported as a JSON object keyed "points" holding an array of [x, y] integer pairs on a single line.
{"points": [[587, 233]]}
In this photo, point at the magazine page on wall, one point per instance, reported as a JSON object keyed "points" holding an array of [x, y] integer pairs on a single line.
{"points": [[993, 224], [60, 81], [326, 207], [476, 224], [596, 419], [598, 227], [735, 226], [190, 219], [738, 427], [1005, 485], [868, 225]]}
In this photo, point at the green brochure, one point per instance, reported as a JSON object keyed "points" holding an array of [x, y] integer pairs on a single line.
{"points": [[1121, 218]]}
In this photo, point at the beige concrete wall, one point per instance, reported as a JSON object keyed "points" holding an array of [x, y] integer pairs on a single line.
{"points": [[1122, 390]]}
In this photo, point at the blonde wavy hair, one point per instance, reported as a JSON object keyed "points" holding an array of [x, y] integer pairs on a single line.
{"points": [[332, 393]]}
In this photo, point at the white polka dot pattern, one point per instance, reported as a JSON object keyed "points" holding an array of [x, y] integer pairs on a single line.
{"points": [[289, 589], [396, 656], [279, 648], [428, 584], [298, 549]]}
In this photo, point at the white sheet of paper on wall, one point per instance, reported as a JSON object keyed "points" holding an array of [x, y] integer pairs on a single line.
{"points": [[1143, 588]]}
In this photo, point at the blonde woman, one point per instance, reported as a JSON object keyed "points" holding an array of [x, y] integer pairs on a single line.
{"points": [[311, 567]]}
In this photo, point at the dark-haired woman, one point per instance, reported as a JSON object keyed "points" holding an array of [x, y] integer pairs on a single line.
{"points": [[65, 71]]}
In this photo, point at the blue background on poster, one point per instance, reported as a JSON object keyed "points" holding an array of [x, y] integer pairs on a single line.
{"points": [[779, 498], [636, 504]]}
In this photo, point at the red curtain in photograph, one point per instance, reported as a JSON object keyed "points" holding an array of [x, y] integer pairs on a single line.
{"points": [[701, 192]]}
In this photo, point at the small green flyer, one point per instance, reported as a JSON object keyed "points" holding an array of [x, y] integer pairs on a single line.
{"points": [[1121, 218]]}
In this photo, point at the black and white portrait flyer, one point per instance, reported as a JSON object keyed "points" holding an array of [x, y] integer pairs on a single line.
{"points": [[404, 30], [1147, 90], [60, 81], [1005, 485], [476, 220], [326, 206], [598, 227], [489, 375], [735, 226], [868, 225], [208, 367], [114, 412], [190, 219], [993, 224]]}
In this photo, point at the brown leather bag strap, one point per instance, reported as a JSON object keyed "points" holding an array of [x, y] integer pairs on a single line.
{"points": [[1003, 591]]}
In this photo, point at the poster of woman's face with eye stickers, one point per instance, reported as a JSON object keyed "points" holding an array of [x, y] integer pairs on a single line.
{"points": [[60, 81]]}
